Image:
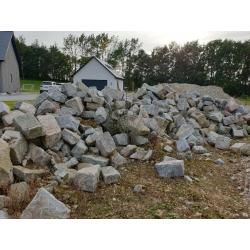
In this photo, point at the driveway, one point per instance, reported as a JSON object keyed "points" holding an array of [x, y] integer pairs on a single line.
{"points": [[24, 96]]}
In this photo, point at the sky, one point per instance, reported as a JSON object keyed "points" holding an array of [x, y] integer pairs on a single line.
{"points": [[149, 39]]}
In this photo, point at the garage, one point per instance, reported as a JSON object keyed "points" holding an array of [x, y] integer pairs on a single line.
{"points": [[99, 74], [99, 84]]}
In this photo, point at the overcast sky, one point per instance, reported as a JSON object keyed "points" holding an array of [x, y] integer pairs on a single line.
{"points": [[149, 39]]}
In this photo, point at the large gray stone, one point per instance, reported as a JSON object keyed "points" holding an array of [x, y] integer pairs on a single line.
{"points": [[128, 150], [171, 168], [118, 160], [185, 131], [87, 178], [245, 150], [105, 144], [4, 201], [76, 104], [139, 140], [229, 120], [79, 149], [222, 142], [215, 116], [26, 174], [231, 105], [238, 133], [56, 95], [199, 150], [6, 174], [4, 215], [29, 126], [8, 118], [69, 89], [110, 175], [95, 159], [182, 104], [70, 137], [141, 154], [68, 121], [18, 145], [100, 115], [26, 107], [121, 139], [51, 129], [211, 137], [46, 107], [4, 109], [200, 118], [45, 206], [236, 147], [38, 155], [182, 145], [41, 98]]}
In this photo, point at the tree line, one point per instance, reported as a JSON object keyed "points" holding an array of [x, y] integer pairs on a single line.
{"points": [[224, 63]]}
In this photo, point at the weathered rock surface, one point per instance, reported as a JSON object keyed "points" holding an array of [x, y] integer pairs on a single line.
{"points": [[105, 144], [87, 178], [110, 175], [70, 137], [38, 155], [68, 121], [19, 192], [170, 168], [95, 159], [6, 174], [45, 206], [76, 104], [79, 149], [8, 118]]}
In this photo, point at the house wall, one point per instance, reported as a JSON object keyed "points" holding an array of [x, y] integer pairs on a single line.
{"points": [[93, 70], [9, 72]]}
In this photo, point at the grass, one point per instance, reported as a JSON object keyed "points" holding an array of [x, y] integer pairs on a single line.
{"points": [[245, 100], [30, 85]]}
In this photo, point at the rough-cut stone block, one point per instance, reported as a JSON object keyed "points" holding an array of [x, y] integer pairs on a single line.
{"points": [[76, 104], [70, 137], [199, 150], [29, 126], [121, 139], [46, 107], [87, 178], [95, 159], [110, 175], [51, 129], [26, 107], [45, 206], [105, 144], [100, 115], [79, 149], [222, 142], [38, 155], [182, 145], [172, 168], [8, 118], [117, 160], [128, 150], [56, 95], [68, 121], [4, 109], [237, 146]]}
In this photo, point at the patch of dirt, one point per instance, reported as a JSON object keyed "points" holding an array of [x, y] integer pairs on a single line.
{"points": [[216, 191]]}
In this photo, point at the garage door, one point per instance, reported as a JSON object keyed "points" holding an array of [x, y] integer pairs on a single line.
{"points": [[99, 84]]}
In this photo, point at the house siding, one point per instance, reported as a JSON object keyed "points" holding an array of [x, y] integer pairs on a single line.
{"points": [[93, 70], [9, 72]]}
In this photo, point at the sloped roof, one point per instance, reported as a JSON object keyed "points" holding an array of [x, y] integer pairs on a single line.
{"points": [[106, 66], [5, 38]]}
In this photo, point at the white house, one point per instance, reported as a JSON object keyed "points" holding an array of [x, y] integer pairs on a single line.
{"points": [[99, 74]]}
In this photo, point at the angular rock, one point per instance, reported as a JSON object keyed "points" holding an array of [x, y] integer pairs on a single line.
{"points": [[76, 104], [182, 104], [168, 149], [4, 201], [4, 215], [182, 145], [70, 137], [66, 111], [245, 150], [95, 159], [79, 149], [100, 115], [215, 116], [26, 174], [38, 155], [139, 140], [56, 95], [229, 120], [185, 131], [26, 107], [18, 145], [200, 118], [236, 147], [41, 98], [46, 107], [29, 126], [51, 129], [8, 118], [128, 150], [211, 138], [199, 150], [238, 133], [219, 162], [105, 144], [72, 162], [222, 142], [231, 105], [6, 174], [69, 89], [171, 168], [118, 160], [68, 121], [121, 139], [45, 206], [4, 109], [110, 175], [141, 154], [87, 178]]}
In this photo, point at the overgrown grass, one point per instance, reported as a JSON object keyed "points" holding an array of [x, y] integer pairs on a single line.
{"points": [[30, 85]]}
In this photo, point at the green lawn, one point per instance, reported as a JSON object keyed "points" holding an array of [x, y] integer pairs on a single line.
{"points": [[30, 85], [245, 100]]}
